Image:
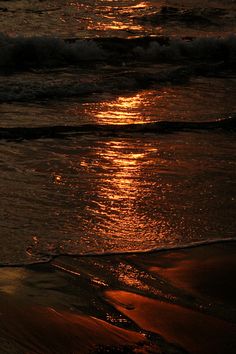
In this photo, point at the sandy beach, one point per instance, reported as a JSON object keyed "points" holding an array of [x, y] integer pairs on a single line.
{"points": [[180, 301]]}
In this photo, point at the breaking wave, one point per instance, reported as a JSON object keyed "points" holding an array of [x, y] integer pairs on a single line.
{"points": [[22, 53]]}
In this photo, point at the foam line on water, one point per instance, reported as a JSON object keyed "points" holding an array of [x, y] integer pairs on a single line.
{"points": [[44, 258]]}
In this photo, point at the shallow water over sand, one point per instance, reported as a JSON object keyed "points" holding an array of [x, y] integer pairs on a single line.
{"points": [[98, 194]]}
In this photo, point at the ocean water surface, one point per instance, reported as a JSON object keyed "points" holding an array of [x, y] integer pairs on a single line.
{"points": [[98, 64]]}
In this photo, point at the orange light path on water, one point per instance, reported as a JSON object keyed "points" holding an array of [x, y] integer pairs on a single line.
{"points": [[121, 172], [127, 109], [111, 15]]}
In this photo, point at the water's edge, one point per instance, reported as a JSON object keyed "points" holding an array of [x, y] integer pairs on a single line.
{"points": [[48, 258]]}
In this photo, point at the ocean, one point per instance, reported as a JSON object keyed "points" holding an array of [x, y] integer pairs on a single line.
{"points": [[86, 166]]}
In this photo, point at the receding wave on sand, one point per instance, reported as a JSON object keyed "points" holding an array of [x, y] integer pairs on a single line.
{"points": [[177, 301]]}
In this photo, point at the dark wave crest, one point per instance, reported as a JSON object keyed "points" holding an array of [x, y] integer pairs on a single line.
{"points": [[22, 53], [160, 127]]}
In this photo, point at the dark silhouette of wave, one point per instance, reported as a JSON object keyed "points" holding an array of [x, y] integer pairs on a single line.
{"points": [[160, 127], [22, 53], [125, 80], [192, 17]]}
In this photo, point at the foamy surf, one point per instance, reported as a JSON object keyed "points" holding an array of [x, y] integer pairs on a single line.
{"points": [[21, 53]]}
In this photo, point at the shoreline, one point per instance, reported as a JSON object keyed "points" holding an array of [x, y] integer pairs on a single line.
{"points": [[49, 258], [171, 301]]}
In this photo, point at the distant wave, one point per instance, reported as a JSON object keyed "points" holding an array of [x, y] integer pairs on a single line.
{"points": [[197, 16], [160, 127], [22, 53]]}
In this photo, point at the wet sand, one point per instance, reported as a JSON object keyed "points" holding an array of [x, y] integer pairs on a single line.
{"points": [[170, 302]]}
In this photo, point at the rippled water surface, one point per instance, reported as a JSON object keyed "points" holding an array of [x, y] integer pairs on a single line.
{"points": [[100, 193], [107, 195], [122, 18]]}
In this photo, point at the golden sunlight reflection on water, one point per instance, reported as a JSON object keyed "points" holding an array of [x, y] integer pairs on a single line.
{"points": [[121, 177], [119, 16], [113, 25], [124, 109], [123, 190], [188, 102], [112, 194]]}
